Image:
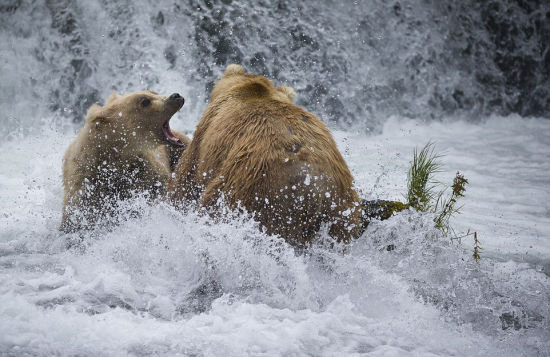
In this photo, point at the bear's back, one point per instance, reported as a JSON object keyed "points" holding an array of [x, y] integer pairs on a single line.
{"points": [[255, 149]]}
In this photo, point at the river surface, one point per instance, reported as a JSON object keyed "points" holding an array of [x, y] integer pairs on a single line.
{"points": [[167, 283]]}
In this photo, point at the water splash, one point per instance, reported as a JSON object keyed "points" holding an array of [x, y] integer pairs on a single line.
{"points": [[164, 281], [352, 63]]}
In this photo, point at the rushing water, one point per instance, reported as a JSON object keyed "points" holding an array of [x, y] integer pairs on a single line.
{"points": [[353, 62], [387, 77], [169, 283]]}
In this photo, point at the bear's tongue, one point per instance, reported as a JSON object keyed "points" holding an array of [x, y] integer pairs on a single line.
{"points": [[174, 140]]}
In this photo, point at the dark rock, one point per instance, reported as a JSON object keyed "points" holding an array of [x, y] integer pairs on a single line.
{"points": [[380, 210], [10, 6], [170, 55], [159, 19], [510, 320], [200, 299]]}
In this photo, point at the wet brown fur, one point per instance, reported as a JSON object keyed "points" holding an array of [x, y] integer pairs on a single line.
{"points": [[120, 150], [255, 148]]}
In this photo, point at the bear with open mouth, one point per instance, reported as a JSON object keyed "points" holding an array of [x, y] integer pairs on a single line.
{"points": [[125, 147]]}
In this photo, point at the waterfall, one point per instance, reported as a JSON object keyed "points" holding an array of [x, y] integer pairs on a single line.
{"points": [[354, 63]]}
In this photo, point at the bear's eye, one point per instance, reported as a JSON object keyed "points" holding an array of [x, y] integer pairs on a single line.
{"points": [[145, 102]]}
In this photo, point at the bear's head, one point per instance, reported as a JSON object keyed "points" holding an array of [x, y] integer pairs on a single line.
{"points": [[236, 81], [145, 112]]}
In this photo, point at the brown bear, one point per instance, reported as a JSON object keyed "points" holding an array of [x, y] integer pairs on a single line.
{"points": [[125, 147], [255, 149]]}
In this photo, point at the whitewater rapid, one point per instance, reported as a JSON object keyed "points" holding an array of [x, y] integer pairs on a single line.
{"points": [[172, 283]]}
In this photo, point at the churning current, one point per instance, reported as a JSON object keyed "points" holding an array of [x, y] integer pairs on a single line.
{"points": [[386, 77]]}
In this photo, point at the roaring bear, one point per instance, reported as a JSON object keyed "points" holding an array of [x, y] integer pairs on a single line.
{"points": [[125, 147], [255, 149]]}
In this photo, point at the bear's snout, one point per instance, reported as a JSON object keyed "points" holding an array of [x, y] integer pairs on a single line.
{"points": [[176, 96], [174, 103]]}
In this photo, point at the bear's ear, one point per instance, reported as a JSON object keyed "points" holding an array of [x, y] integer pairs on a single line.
{"points": [[234, 69], [96, 114], [288, 91], [114, 95]]}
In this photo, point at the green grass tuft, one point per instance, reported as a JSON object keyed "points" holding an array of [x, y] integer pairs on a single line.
{"points": [[426, 194], [421, 186], [447, 206]]}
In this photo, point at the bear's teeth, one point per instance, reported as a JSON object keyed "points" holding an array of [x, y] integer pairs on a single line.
{"points": [[172, 139]]}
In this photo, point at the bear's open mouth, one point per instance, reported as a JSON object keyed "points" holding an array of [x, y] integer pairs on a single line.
{"points": [[172, 139]]}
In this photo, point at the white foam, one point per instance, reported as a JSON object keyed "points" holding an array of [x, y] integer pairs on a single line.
{"points": [[140, 288]]}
